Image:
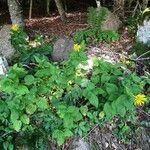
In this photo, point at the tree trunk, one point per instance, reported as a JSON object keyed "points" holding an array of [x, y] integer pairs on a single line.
{"points": [[15, 11], [119, 7], [30, 9], [145, 4], [47, 6], [61, 10]]}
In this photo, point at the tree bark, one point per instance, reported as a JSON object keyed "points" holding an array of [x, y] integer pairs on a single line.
{"points": [[47, 6], [15, 11], [119, 7], [61, 10], [30, 9]]}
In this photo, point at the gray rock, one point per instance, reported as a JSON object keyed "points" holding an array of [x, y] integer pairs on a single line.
{"points": [[6, 49], [79, 144], [112, 22], [143, 32], [61, 49]]}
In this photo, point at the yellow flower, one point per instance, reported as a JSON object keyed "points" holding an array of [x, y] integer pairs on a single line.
{"points": [[70, 82], [140, 99], [14, 27], [79, 73], [77, 47]]}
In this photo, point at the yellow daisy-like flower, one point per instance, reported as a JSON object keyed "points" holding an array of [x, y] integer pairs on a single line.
{"points": [[140, 99], [77, 47], [14, 27]]}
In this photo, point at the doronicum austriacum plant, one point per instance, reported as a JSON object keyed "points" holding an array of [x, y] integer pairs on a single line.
{"points": [[57, 101], [26, 48]]}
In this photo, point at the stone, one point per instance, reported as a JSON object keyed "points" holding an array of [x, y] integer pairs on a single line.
{"points": [[3, 66], [143, 32], [79, 144], [111, 22], [6, 49], [62, 48]]}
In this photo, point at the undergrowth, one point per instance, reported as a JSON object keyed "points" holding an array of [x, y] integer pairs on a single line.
{"points": [[94, 32], [59, 100]]}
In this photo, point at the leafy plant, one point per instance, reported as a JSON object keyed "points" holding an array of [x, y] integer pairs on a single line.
{"points": [[26, 48], [94, 33], [60, 100]]}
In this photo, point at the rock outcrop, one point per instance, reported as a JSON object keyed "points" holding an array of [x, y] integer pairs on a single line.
{"points": [[6, 49]]}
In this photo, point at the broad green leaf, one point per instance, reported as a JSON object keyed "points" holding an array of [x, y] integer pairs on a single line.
{"points": [[109, 111], [42, 103], [59, 136], [17, 125], [14, 116], [30, 109], [29, 79], [111, 88], [25, 119], [21, 90], [68, 122], [67, 133], [93, 100], [105, 78]]}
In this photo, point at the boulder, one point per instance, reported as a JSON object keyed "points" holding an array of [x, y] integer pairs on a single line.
{"points": [[143, 32], [6, 49], [79, 144], [111, 22], [61, 49]]}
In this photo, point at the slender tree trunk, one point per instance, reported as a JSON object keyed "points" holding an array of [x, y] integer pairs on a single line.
{"points": [[61, 10], [15, 11], [47, 6], [119, 7], [65, 5], [30, 9]]}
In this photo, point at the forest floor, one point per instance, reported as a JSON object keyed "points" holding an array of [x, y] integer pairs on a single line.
{"points": [[53, 27]]}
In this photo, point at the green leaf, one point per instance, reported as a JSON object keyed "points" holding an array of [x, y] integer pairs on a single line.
{"points": [[105, 78], [67, 133], [59, 136], [30, 109], [42, 103], [21, 90], [93, 100], [111, 88], [17, 125], [25, 119], [84, 110], [68, 122], [14, 116], [109, 111], [29, 79]]}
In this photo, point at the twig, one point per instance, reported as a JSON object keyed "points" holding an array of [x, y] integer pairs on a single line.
{"points": [[135, 8], [147, 58], [143, 54], [90, 131]]}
